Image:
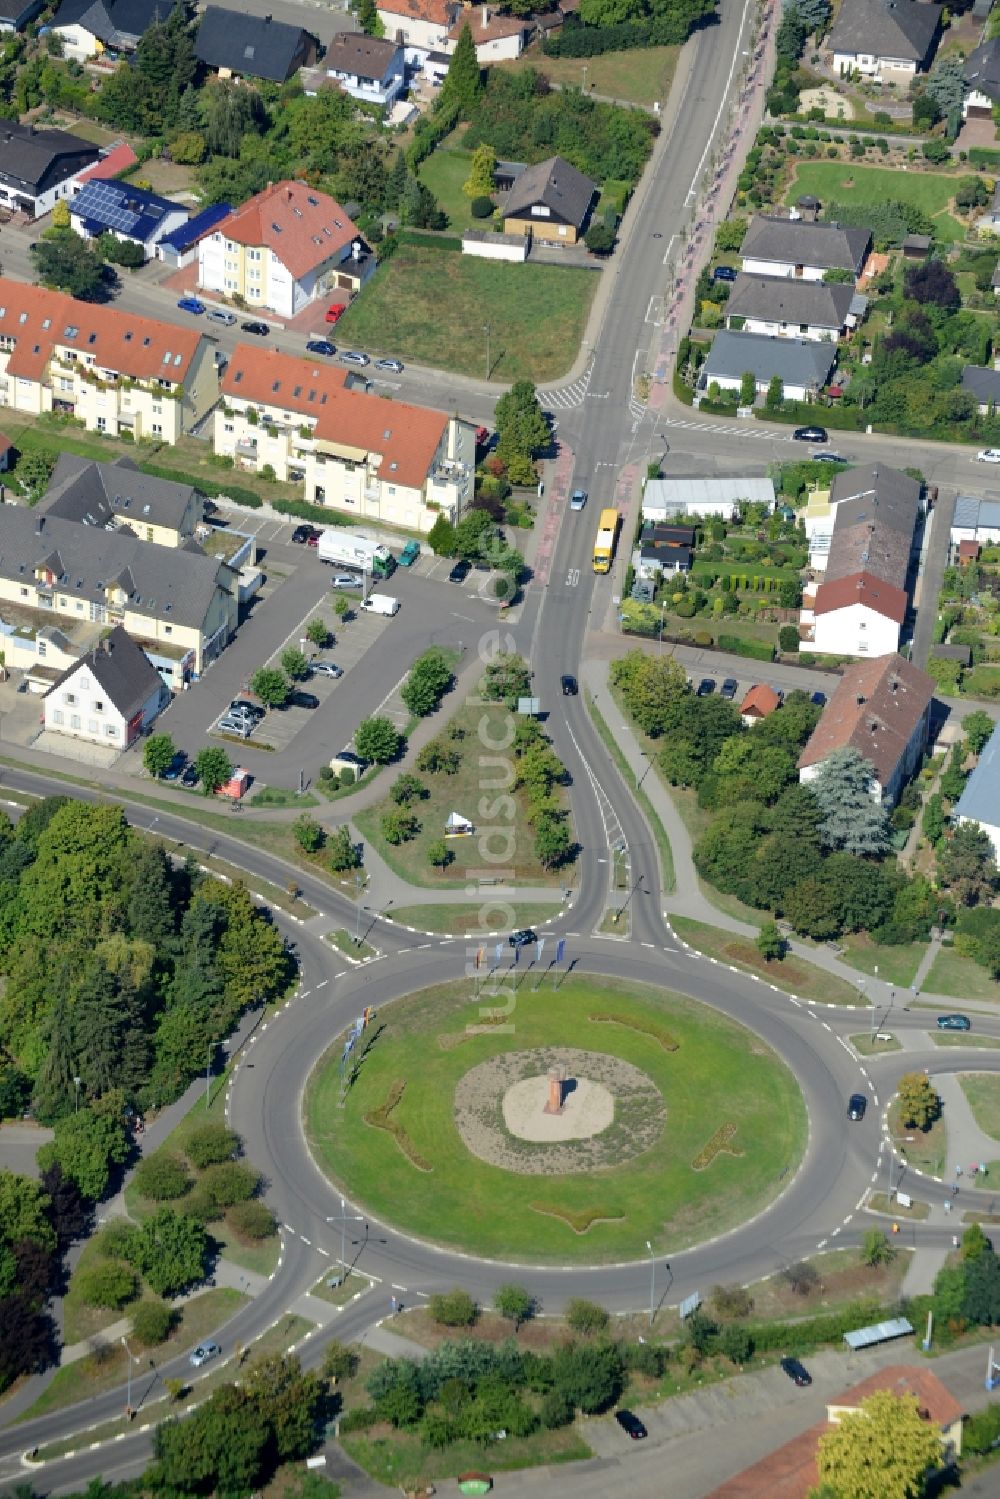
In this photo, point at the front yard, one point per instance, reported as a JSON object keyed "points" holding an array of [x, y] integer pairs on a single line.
{"points": [[642, 75], [433, 306], [846, 182]]}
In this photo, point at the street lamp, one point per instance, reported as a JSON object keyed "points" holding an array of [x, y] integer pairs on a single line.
{"points": [[76, 1083], [652, 1283], [208, 1077], [487, 329], [343, 1218], [131, 1359]]}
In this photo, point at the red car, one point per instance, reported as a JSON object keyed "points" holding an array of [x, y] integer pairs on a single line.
{"points": [[313, 540], [336, 312]]}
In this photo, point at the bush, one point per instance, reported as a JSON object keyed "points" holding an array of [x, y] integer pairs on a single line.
{"points": [[453, 1308], [107, 1283], [732, 1301], [211, 1143], [251, 1220], [585, 1316], [162, 1176], [115, 1239], [788, 640], [227, 1183], [152, 1323], [362, 1418], [759, 650], [556, 1410], [482, 208]]}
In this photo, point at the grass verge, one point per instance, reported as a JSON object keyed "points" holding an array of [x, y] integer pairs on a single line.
{"points": [[402, 1460], [342, 1294], [878, 1202], [982, 1090], [896, 965], [667, 876], [957, 1038], [345, 943], [280, 796], [959, 977], [925, 1149], [792, 974], [640, 76], [866, 1047], [465, 920]]}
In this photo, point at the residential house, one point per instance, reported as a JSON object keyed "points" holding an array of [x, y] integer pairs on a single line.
{"points": [[550, 201], [975, 520], [785, 308], [111, 369], [285, 247], [496, 37], [112, 162], [980, 799], [663, 499], [16, 15], [131, 214], [178, 603], [982, 81], [968, 553], [989, 222], [117, 496], [791, 1472], [369, 68], [802, 367], [883, 710], [889, 41], [108, 697], [235, 44], [90, 27], [983, 385], [803, 248], [421, 26], [41, 652], [820, 514], [859, 607], [506, 173], [180, 247], [663, 551], [38, 167], [376, 460], [760, 702]]}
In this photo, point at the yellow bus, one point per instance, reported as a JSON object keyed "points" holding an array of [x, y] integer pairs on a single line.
{"points": [[604, 546]]}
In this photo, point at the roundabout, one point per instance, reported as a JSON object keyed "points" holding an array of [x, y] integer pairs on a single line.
{"points": [[605, 1115]]}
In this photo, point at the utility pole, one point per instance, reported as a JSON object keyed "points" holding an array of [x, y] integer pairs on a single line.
{"points": [[343, 1218], [487, 329], [652, 1283], [208, 1078], [128, 1397]]}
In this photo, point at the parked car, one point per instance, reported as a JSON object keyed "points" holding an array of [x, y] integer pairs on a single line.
{"points": [[728, 689], [578, 499], [327, 669], [351, 356], [255, 326], [459, 572], [302, 700], [394, 366], [346, 580], [810, 434], [313, 539], [954, 1023], [568, 685], [724, 273], [203, 1353], [217, 315], [706, 687], [630, 1425], [190, 776], [856, 1106], [336, 312], [236, 723], [321, 346], [523, 938], [828, 458], [988, 455], [240, 706], [819, 698], [176, 766], [796, 1372], [191, 304], [409, 554], [303, 533]]}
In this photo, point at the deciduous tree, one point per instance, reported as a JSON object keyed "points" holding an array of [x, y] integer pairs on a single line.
{"points": [[214, 768], [271, 686], [881, 1451], [377, 739], [919, 1105], [158, 754]]}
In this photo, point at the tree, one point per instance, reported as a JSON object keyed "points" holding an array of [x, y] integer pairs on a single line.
{"points": [[407, 789], [220, 1448], [318, 633], [479, 183], [211, 1143], [932, 283], [522, 431], [881, 1451], [429, 679], [553, 844], [271, 686], [158, 754], [399, 827], [294, 663], [455, 1308], [213, 767], [23, 1211], [341, 606], [977, 728], [344, 853], [152, 1323], [378, 740], [441, 537], [966, 864], [161, 1176], [514, 1303], [309, 835], [33, 472], [170, 1250], [288, 1402], [368, 18], [339, 1360], [61, 218], [600, 239], [770, 942], [439, 854], [975, 1242], [981, 1303], [463, 82], [589, 1376], [970, 193], [814, 14], [748, 388], [775, 393], [852, 818], [585, 1316], [69, 263], [106, 1283], [946, 85], [919, 1105], [87, 1144], [876, 1248]]}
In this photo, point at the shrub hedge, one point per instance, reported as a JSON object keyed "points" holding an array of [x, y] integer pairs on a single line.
{"points": [[758, 650]]}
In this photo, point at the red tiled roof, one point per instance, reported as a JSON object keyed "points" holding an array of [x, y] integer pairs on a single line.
{"points": [[118, 160], [761, 701], [875, 708], [302, 226], [861, 588], [406, 437], [908, 1379], [141, 348], [496, 25], [438, 12]]}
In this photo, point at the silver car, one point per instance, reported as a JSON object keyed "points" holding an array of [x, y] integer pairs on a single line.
{"points": [[346, 580], [327, 669], [217, 315], [203, 1354], [350, 356], [230, 724]]}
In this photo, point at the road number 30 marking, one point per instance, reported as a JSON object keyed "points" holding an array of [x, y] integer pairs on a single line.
{"points": [[572, 577]]}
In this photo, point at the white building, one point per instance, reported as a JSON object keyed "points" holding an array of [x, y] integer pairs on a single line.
{"points": [[980, 799], [421, 26], [889, 41], [781, 307], [39, 167], [665, 499], [802, 248], [369, 68], [976, 520], [109, 696], [489, 245]]}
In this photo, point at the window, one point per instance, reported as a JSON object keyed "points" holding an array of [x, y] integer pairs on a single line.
{"points": [[99, 706], [168, 629], [41, 648], [91, 725], [69, 697], [57, 716], [157, 432], [111, 731], [24, 593], [74, 721], [228, 427], [102, 424]]}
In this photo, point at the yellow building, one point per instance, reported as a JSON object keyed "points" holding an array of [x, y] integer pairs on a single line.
{"points": [[550, 201]]}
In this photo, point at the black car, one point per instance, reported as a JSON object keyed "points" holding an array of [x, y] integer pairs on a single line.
{"points": [[568, 685], [303, 700], [796, 1372], [190, 776], [261, 329], [810, 434], [302, 533], [242, 708], [176, 766], [706, 687], [459, 572], [631, 1425], [723, 273], [829, 458], [524, 938], [856, 1106], [728, 689]]}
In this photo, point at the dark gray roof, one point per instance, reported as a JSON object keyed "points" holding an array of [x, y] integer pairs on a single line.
{"points": [[556, 184], [360, 56], [38, 159], [121, 669], [886, 28], [972, 512], [117, 22], [982, 69], [160, 582], [874, 524], [984, 384], [829, 247], [112, 494], [980, 801], [786, 300], [252, 46], [876, 479], [795, 361]]}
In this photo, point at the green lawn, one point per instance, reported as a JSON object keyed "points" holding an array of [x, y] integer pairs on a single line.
{"points": [[639, 76], [402, 1459], [445, 172], [896, 965], [983, 1092], [462, 919], [845, 182], [344, 942], [866, 1047], [719, 1076], [431, 306], [925, 1149], [792, 974], [959, 977]]}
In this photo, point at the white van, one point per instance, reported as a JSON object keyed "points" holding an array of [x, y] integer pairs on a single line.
{"points": [[381, 603]]}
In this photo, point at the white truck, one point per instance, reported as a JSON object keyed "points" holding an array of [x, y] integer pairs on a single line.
{"points": [[380, 603], [351, 549]]}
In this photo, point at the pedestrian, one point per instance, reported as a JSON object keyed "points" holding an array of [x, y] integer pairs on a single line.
{"points": [[895, 1228], [954, 1190], [958, 1170]]}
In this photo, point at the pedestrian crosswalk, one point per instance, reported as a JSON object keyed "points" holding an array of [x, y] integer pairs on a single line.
{"points": [[565, 397], [729, 431]]}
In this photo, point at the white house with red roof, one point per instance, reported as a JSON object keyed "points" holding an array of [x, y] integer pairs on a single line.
{"points": [[419, 25], [496, 37], [376, 460], [284, 248]]}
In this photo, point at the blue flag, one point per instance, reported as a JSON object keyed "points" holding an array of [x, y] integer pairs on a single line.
{"points": [[560, 949]]}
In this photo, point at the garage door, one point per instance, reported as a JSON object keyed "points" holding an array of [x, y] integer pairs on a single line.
{"points": [[978, 112]]}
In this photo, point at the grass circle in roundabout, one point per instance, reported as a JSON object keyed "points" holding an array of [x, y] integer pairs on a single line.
{"points": [[700, 1143]]}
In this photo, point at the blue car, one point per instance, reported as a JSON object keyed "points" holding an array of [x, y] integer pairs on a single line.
{"points": [[191, 304], [175, 769], [321, 346]]}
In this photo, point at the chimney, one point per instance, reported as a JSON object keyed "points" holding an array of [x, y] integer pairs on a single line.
{"points": [[486, 16]]}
